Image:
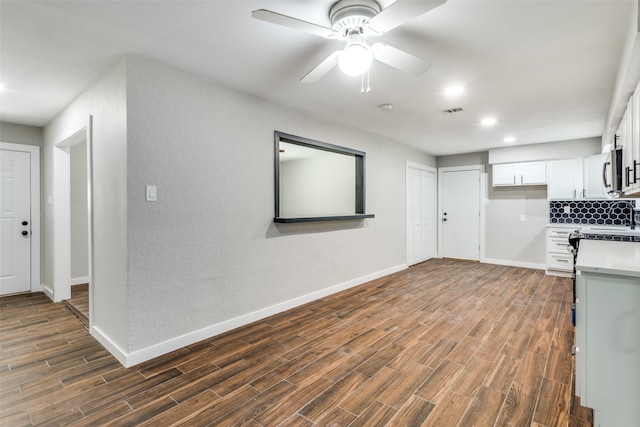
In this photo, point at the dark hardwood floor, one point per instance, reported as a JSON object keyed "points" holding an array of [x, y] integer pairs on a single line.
{"points": [[79, 302], [443, 343]]}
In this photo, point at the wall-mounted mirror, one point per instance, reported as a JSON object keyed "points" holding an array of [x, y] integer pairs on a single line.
{"points": [[316, 181]]}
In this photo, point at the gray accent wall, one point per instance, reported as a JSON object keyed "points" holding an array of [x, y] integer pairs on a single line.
{"points": [[508, 240], [20, 134], [16, 133]]}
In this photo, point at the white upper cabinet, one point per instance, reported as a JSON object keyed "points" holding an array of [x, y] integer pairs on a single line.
{"points": [[530, 173], [629, 138], [576, 178], [593, 183], [564, 179]]}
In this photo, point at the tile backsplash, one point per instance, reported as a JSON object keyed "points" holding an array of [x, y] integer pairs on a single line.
{"points": [[601, 212]]}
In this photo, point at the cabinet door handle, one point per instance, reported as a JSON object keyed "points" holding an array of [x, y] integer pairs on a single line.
{"points": [[575, 194], [604, 174], [636, 176], [626, 175], [514, 179]]}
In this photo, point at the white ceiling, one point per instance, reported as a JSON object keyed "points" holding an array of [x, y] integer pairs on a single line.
{"points": [[545, 69]]}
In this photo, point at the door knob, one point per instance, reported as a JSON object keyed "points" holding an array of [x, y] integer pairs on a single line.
{"points": [[25, 233], [25, 223]]}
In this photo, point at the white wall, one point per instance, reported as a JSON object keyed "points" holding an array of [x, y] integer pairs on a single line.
{"points": [[207, 251], [627, 77], [322, 184], [106, 101], [569, 149], [79, 214]]}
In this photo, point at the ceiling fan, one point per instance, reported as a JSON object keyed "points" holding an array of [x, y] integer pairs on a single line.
{"points": [[352, 21]]}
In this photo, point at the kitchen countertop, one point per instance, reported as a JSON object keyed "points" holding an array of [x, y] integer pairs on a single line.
{"points": [[563, 225], [609, 257]]}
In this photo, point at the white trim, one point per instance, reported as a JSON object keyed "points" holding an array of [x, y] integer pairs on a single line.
{"points": [[79, 281], [90, 219], [155, 350], [484, 200], [47, 291], [111, 347], [552, 272], [420, 166], [62, 212], [36, 212], [61, 240], [511, 263]]}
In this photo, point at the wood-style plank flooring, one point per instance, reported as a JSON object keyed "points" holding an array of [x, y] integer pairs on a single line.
{"points": [[79, 302], [443, 343]]}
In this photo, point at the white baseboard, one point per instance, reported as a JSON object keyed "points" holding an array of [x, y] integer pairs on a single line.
{"points": [[164, 347], [47, 291], [112, 347], [512, 263], [551, 272], [79, 281]]}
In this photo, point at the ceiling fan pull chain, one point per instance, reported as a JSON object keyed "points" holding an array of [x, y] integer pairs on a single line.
{"points": [[362, 90], [368, 87]]}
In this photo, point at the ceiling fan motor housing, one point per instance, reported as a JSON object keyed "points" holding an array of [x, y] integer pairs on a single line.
{"points": [[347, 15]]}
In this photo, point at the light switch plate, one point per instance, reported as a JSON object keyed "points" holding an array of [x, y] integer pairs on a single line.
{"points": [[151, 193]]}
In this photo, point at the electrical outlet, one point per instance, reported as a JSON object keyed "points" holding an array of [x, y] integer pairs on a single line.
{"points": [[567, 209], [522, 218]]}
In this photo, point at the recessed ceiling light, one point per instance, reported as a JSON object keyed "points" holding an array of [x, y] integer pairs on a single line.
{"points": [[454, 90], [510, 139], [386, 107], [488, 121]]}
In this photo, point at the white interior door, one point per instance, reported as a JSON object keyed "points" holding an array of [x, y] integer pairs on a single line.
{"points": [[460, 213], [421, 213], [15, 222]]}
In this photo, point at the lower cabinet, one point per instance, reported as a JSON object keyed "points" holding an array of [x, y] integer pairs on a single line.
{"points": [[608, 347], [559, 256]]}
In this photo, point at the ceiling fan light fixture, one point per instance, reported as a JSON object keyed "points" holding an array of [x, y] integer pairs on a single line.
{"points": [[356, 58]]}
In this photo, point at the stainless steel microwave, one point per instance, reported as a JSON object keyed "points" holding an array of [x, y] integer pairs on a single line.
{"points": [[612, 171]]}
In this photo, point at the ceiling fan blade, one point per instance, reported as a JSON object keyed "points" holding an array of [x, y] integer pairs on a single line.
{"points": [[321, 69], [400, 59], [288, 21], [400, 12]]}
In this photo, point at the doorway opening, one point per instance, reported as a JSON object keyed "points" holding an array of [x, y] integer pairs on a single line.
{"points": [[72, 220], [79, 216]]}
